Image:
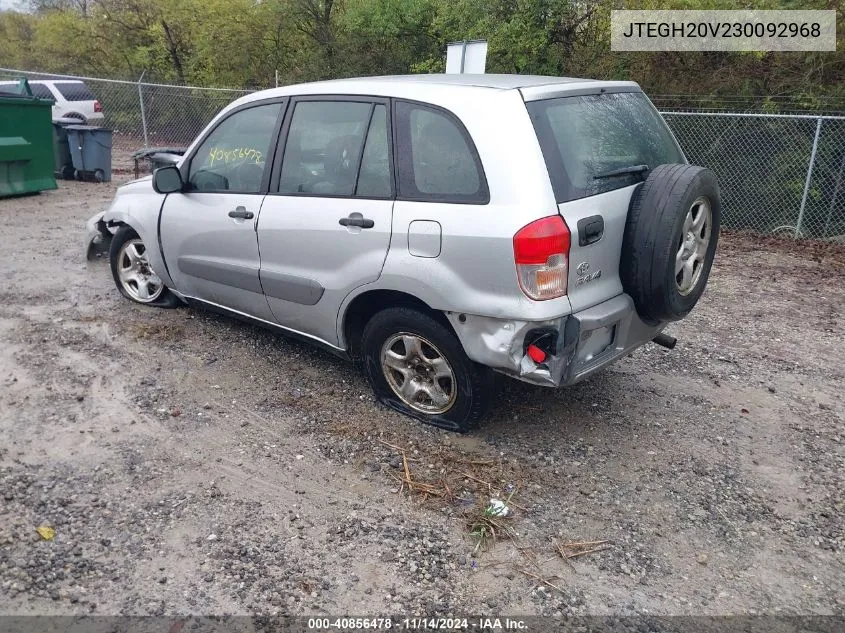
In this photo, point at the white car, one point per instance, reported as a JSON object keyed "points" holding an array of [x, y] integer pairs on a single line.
{"points": [[73, 98]]}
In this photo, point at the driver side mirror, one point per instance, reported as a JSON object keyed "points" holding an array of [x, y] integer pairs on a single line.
{"points": [[167, 179]]}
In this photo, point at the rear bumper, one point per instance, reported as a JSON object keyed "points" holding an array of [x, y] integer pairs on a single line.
{"points": [[576, 345]]}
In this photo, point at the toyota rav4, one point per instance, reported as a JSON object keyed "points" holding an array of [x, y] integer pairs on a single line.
{"points": [[438, 227]]}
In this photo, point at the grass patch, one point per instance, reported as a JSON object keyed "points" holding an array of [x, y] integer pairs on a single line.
{"points": [[158, 331]]}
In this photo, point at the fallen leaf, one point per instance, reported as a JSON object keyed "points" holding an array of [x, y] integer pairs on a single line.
{"points": [[46, 532]]}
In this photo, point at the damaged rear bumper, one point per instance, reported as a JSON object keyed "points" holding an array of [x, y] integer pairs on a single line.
{"points": [[575, 345]]}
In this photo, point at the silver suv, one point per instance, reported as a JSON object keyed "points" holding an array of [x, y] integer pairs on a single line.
{"points": [[438, 227]]}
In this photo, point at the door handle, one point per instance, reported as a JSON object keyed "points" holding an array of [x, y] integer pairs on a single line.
{"points": [[241, 213], [356, 219]]}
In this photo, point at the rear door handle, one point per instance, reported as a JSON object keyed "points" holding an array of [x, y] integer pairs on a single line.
{"points": [[241, 213], [356, 219]]}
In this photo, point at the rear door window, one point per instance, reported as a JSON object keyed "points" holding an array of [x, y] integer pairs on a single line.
{"points": [[74, 91], [585, 136], [437, 159], [374, 180], [324, 146]]}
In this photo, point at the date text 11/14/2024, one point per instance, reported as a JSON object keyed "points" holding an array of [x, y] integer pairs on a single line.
{"points": [[413, 624]]}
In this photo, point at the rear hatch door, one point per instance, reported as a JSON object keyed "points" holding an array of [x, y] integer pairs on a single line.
{"points": [[588, 141]]}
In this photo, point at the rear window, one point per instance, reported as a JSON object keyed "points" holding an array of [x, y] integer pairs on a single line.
{"points": [[585, 136], [75, 91]]}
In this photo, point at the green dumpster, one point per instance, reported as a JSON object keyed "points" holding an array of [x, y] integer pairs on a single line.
{"points": [[26, 145]]}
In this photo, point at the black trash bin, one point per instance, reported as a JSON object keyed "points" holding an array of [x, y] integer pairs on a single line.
{"points": [[90, 149], [61, 148]]}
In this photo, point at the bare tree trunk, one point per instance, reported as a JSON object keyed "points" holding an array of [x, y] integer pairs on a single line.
{"points": [[173, 49]]}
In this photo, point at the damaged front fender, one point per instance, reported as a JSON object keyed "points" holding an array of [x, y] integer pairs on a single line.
{"points": [[98, 237]]}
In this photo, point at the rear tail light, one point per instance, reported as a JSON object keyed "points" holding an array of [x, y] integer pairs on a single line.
{"points": [[97, 107], [541, 251]]}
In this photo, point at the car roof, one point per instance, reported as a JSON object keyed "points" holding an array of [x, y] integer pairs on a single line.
{"points": [[43, 81], [499, 82], [439, 88]]}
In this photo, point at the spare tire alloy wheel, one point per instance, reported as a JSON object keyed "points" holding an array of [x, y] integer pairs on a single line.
{"points": [[418, 373], [692, 251], [135, 274]]}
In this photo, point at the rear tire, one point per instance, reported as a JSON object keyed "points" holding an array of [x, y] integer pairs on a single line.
{"points": [[417, 366], [132, 274]]}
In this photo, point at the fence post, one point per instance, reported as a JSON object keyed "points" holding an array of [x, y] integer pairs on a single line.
{"points": [[835, 196], [809, 177], [143, 112]]}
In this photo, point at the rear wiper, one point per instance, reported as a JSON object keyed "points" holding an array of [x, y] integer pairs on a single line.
{"points": [[622, 171]]}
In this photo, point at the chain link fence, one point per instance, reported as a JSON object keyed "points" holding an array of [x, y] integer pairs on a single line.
{"points": [[146, 115], [782, 174]]}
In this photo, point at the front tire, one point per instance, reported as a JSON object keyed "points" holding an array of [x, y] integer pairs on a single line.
{"points": [[417, 366], [132, 273]]}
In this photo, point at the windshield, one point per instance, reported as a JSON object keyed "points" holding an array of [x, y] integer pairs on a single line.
{"points": [[586, 136]]}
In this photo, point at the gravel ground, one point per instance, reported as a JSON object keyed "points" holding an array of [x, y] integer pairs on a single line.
{"points": [[191, 464]]}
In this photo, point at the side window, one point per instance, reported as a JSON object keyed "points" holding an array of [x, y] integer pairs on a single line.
{"points": [[74, 91], [374, 176], [233, 157], [437, 161], [323, 147], [41, 91]]}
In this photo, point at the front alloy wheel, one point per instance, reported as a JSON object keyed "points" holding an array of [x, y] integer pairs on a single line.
{"points": [[136, 276], [133, 275]]}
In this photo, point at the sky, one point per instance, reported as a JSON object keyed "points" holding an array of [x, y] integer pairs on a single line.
{"points": [[11, 4]]}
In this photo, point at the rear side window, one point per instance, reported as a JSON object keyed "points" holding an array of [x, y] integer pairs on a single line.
{"points": [[38, 90], [75, 91], [41, 91], [585, 136], [436, 157]]}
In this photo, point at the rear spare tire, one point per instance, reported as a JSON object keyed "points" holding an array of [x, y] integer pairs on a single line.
{"points": [[670, 240]]}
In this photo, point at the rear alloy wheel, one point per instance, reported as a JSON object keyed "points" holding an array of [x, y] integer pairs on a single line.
{"points": [[417, 366], [133, 274], [418, 373]]}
